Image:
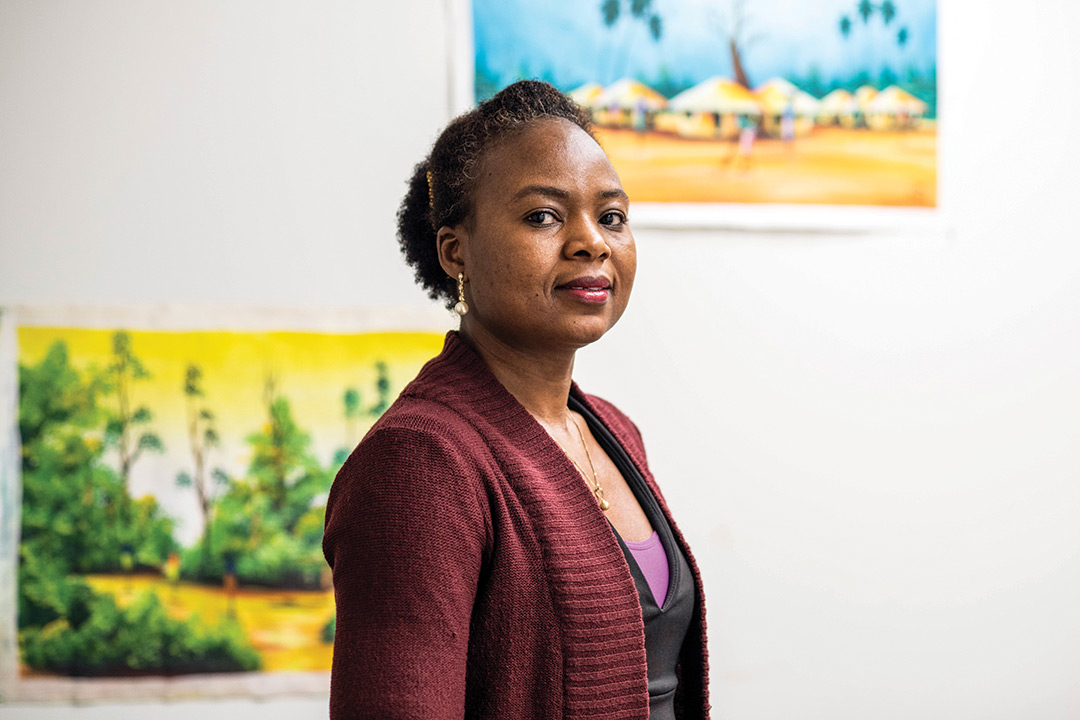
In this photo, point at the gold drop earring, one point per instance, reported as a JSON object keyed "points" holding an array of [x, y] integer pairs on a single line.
{"points": [[462, 307]]}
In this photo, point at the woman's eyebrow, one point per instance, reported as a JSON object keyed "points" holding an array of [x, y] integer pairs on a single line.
{"points": [[614, 193], [546, 190], [551, 191]]}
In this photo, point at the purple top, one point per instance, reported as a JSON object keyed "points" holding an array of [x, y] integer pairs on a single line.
{"points": [[650, 556]]}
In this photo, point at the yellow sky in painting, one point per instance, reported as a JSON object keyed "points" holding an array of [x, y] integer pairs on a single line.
{"points": [[312, 370]]}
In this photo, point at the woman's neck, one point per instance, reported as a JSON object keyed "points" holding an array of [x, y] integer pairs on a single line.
{"points": [[539, 380]]}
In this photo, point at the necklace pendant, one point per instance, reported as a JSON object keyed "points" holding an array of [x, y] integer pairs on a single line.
{"points": [[600, 499]]}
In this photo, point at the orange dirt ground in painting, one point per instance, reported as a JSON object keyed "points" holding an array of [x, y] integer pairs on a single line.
{"points": [[832, 165], [284, 626]]}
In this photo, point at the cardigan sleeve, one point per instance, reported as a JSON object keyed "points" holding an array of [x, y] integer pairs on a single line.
{"points": [[406, 534]]}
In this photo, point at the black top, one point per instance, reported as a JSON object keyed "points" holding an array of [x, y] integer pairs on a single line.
{"points": [[665, 627]]}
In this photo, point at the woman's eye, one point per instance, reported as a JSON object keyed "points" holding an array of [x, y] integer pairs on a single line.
{"points": [[613, 219], [541, 217]]}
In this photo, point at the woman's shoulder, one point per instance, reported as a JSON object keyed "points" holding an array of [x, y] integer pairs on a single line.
{"points": [[412, 421], [418, 449]]}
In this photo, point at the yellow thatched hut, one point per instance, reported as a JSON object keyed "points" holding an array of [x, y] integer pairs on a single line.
{"points": [[710, 109], [786, 109], [586, 95], [628, 103], [863, 96], [837, 108], [894, 109]]}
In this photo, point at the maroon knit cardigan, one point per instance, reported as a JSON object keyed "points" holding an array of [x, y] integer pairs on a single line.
{"points": [[474, 574]]}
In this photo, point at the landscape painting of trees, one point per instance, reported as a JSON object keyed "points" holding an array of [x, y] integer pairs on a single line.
{"points": [[173, 492], [737, 101]]}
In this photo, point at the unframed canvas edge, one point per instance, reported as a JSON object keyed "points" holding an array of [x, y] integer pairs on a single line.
{"points": [[10, 502], [81, 691]]}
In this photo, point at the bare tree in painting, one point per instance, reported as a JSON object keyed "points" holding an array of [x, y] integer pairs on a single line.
{"points": [[203, 436], [734, 26], [127, 427]]}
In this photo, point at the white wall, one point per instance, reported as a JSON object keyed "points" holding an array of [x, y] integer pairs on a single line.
{"points": [[872, 441]]}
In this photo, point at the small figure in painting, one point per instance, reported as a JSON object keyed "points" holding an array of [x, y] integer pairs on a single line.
{"points": [[747, 126], [787, 126]]}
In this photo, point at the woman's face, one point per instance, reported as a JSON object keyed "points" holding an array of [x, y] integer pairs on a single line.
{"points": [[547, 252]]}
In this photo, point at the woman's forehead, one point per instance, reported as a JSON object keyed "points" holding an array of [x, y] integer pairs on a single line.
{"points": [[549, 149]]}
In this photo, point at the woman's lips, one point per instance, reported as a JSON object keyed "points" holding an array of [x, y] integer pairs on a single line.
{"points": [[592, 290]]}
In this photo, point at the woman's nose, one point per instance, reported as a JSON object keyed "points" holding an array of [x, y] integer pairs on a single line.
{"points": [[587, 240]]}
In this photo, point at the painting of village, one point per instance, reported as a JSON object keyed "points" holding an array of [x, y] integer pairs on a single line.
{"points": [[740, 101], [173, 492]]}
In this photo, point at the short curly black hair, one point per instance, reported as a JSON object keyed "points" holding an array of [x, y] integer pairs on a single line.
{"points": [[440, 190]]}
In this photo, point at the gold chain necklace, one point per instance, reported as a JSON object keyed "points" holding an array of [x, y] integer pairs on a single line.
{"points": [[598, 492]]}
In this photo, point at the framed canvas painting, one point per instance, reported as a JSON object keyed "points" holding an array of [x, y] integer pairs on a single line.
{"points": [[756, 113]]}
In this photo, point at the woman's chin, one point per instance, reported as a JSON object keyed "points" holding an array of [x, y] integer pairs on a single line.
{"points": [[588, 331]]}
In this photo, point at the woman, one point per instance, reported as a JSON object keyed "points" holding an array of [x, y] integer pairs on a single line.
{"points": [[499, 547]]}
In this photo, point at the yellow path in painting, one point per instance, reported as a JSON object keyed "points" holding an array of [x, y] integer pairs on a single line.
{"points": [[284, 626], [831, 166]]}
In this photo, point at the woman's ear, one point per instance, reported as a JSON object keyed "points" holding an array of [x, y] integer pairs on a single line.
{"points": [[451, 242]]}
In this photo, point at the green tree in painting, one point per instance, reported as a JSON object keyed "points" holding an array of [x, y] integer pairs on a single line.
{"points": [[328, 630], [77, 516], [126, 427], [382, 390], [75, 506], [351, 400], [66, 627], [354, 412], [282, 466], [203, 436], [268, 524]]}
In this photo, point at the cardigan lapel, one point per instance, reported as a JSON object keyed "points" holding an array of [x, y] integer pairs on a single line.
{"points": [[592, 590]]}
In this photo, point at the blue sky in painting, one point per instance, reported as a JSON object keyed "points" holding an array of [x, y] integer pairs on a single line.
{"points": [[566, 42]]}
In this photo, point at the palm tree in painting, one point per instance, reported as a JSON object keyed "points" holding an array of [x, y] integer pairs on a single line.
{"points": [[865, 10], [888, 11], [638, 11]]}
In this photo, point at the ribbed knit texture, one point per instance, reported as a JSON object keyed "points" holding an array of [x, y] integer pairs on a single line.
{"points": [[475, 575]]}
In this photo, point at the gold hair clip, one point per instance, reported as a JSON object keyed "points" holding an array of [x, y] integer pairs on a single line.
{"points": [[430, 190]]}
